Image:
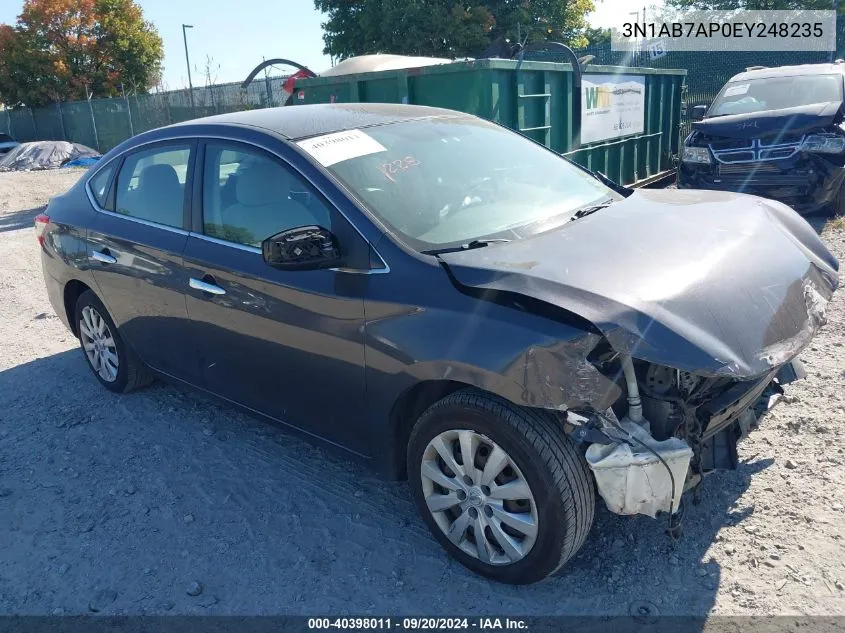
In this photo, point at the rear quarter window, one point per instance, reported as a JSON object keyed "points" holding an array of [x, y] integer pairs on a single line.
{"points": [[99, 186]]}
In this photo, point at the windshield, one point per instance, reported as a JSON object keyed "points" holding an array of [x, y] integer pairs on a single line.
{"points": [[443, 182], [776, 93]]}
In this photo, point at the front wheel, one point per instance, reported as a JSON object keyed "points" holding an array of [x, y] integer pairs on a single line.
{"points": [[837, 208], [501, 487]]}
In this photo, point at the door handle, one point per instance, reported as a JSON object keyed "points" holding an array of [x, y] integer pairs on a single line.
{"points": [[199, 284], [103, 257]]}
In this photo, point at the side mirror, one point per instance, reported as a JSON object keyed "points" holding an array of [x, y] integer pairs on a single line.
{"points": [[699, 111], [302, 248]]}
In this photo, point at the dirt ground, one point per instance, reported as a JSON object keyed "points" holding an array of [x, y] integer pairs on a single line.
{"points": [[130, 504]]}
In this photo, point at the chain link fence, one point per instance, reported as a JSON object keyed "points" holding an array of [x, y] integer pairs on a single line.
{"points": [[104, 123]]}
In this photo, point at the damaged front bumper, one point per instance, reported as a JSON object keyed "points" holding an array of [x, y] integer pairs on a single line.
{"points": [[738, 411], [808, 184], [637, 473]]}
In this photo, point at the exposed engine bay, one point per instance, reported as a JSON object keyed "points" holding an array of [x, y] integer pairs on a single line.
{"points": [[669, 430]]}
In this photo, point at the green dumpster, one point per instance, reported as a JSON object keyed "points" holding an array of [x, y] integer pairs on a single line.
{"points": [[624, 122]]}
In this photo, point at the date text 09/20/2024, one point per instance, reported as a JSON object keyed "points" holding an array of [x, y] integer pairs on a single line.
{"points": [[410, 624]]}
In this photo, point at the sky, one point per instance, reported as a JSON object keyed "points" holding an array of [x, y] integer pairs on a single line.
{"points": [[237, 35]]}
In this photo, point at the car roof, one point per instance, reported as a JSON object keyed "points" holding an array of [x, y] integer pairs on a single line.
{"points": [[790, 71], [303, 121]]}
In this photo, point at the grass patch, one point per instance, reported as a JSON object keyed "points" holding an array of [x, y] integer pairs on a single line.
{"points": [[836, 224]]}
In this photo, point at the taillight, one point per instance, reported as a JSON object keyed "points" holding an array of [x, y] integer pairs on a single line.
{"points": [[41, 222]]}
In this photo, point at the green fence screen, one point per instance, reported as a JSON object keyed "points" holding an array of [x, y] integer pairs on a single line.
{"points": [[103, 123]]}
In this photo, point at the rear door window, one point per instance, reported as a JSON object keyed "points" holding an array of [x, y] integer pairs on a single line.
{"points": [[152, 184]]}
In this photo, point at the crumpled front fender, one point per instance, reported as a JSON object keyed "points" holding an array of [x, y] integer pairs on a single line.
{"points": [[560, 377]]}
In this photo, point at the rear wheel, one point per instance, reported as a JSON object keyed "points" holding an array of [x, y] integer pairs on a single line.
{"points": [[501, 487], [115, 366]]}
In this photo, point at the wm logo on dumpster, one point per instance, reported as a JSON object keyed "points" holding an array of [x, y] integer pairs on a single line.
{"points": [[597, 97]]}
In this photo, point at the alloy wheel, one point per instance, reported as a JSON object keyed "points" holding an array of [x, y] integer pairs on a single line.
{"points": [[98, 343], [478, 497]]}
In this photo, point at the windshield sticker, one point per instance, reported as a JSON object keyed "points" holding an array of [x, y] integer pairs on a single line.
{"points": [[739, 89], [393, 167], [339, 146]]}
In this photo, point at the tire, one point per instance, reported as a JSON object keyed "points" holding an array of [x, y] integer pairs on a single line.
{"points": [[122, 375], [562, 498], [837, 208]]}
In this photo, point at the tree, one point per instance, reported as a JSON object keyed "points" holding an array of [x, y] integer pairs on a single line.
{"points": [[749, 5], [598, 36], [413, 27], [446, 28], [538, 20], [17, 65], [68, 49]]}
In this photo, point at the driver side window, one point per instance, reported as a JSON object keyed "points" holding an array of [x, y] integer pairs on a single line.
{"points": [[249, 196]]}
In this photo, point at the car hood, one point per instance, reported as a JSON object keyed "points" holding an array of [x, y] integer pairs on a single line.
{"points": [[796, 120], [716, 283]]}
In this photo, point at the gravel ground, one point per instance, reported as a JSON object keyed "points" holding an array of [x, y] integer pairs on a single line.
{"points": [[132, 504]]}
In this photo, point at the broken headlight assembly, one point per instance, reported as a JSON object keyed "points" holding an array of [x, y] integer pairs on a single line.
{"points": [[696, 155], [824, 144]]}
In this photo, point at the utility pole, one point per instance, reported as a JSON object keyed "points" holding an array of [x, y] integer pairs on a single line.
{"points": [[636, 36], [267, 88], [88, 96], [188, 61]]}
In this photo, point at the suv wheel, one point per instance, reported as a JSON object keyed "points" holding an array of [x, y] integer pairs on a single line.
{"points": [[115, 366], [501, 487]]}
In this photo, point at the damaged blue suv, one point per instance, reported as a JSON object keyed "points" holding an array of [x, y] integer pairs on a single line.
{"points": [[776, 133]]}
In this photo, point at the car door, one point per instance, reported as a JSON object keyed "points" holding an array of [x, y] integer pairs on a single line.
{"points": [[287, 343], [135, 247]]}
